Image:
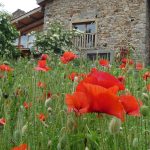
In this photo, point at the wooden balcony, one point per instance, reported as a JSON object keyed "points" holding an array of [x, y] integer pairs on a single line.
{"points": [[85, 41], [24, 51]]}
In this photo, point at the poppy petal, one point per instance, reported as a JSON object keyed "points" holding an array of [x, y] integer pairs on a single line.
{"points": [[130, 104]]}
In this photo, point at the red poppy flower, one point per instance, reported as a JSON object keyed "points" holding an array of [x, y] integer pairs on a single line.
{"points": [[148, 87], [78, 102], [7, 68], [127, 61], [103, 79], [72, 76], [67, 57], [130, 104], [104, 62], [94, 98], [27, 105], [122, 66], [41, 84], [44, 57], [42, 66], [139, 66], [21, 147], [93, 70], [2, 121], [83, 75], [47, 95], [146, 75], [121, 79], [41, 117], [78, 75]]}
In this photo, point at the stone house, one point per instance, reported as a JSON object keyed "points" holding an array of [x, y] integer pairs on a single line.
{"points": [[26, 22], [106, 24]]}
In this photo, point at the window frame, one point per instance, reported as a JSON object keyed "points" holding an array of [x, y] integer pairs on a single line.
{"points": [[80, 21]]}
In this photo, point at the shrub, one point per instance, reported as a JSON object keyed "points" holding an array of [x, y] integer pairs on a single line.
{"points": [[54, 39], [8, 34]]}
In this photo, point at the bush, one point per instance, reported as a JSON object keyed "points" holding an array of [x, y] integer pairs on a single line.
{"points": [[54, 39], [8, 34]]}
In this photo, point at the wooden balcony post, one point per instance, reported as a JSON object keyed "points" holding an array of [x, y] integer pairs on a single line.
{"points": [[85, 41]]}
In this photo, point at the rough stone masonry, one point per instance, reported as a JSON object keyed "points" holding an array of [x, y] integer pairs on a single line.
{"points": [[119, 22]]}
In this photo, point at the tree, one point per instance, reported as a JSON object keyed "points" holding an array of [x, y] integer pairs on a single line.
{"points": [[8, 34]]}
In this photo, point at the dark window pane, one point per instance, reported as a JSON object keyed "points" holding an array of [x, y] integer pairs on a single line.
{"points": [[87, 27], [93, 56], [80, 27]]}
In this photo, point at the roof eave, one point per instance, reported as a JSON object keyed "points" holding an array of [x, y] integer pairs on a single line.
{"points": [[26, 14]]}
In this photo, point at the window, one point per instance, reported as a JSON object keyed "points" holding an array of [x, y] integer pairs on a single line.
{"points": [[27, 40], [31, 39], [93, 56], [87, 39], [104, 54], [85, 27], [24, 40]]}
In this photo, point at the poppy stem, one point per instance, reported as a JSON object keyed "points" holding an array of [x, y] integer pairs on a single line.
{"points": [[115, 142], [126, 137]]}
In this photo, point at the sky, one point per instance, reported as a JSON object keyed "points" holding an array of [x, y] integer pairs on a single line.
{"points": [[12, 5]]}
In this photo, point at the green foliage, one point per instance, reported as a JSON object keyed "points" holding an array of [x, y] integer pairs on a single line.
{"points": [[63, 130], [8, 34], [54, 39]]}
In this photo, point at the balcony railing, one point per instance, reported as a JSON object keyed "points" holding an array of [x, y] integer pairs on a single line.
{"points": [[85, 41]]}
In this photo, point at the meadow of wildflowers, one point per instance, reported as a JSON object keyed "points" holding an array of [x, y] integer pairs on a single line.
{"points": [[70, 103]]}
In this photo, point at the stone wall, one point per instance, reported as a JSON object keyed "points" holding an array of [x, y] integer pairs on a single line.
{"points": [[119, 22], [148, 32]]}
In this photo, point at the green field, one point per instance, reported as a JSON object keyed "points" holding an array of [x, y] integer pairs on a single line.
{"points": [[36, 114]]}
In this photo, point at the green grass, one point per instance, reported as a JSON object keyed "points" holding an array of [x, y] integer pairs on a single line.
{"points": [[62, 130]]}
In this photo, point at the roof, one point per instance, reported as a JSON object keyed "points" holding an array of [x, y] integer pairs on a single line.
{"points": [[29, 20], [18, 13]]}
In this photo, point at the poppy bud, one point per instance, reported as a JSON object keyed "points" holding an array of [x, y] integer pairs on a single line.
{"points": [[86, 148], [49, 144], [22, 109], [24, 128], [135, 142], [114, 125], [49, 109], [76, 79], [47, 102], [59, 146], [62, 143], [127, 91], [5, 95], [144, 110], [44, 124], [6, 63], [145, 95], [17, 135]]}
